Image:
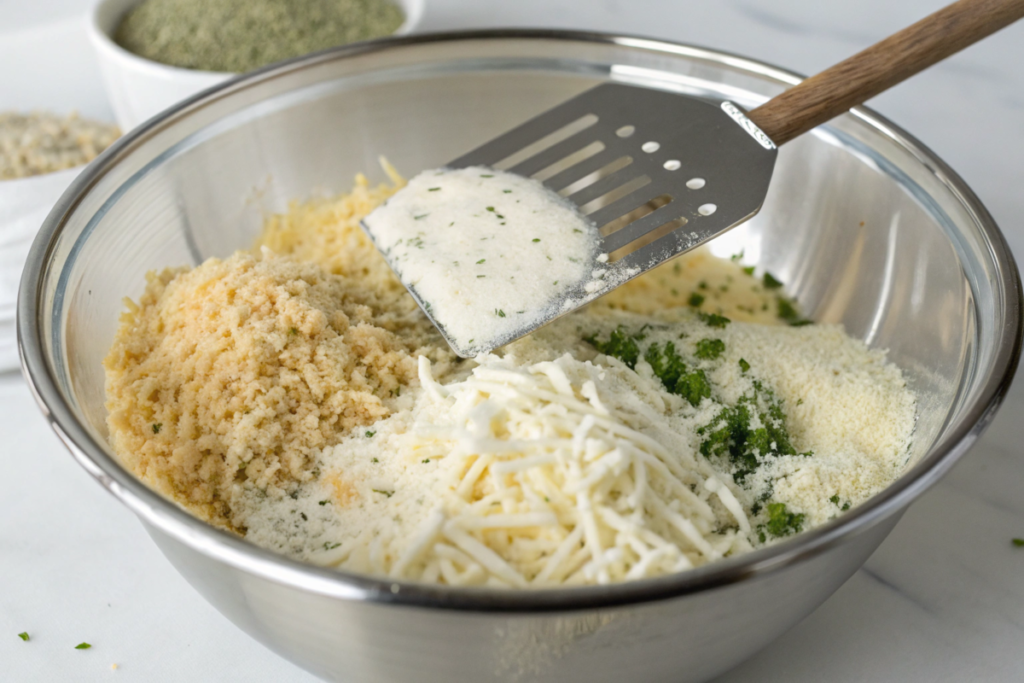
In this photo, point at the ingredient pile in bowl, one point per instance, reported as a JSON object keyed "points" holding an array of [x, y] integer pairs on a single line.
{"points": [[296, 395]]}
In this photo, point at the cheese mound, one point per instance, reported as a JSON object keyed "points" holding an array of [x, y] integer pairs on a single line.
{"points": [[231, 374], [544, 468]]}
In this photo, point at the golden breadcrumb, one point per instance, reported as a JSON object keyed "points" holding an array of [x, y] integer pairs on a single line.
{"points": [[239, 370]]}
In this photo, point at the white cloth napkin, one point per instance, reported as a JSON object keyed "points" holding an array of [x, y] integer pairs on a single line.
{"points": [[24, 204]]}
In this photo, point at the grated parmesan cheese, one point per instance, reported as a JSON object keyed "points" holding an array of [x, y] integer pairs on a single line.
{"points": [[544, 468]]}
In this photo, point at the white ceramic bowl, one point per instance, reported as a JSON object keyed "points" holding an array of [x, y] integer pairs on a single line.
{"points": [[138, 88]]}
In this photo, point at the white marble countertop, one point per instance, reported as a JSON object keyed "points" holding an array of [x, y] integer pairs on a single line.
{"points": [[941, 600]]}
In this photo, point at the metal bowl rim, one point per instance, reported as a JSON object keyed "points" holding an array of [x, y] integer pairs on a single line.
{"points": [[161, 514]]}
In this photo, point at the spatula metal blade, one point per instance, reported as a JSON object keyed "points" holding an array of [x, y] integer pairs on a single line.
{"points": [[659, 173]]}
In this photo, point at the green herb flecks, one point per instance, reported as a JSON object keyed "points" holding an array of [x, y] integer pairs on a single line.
{"points": [[782, 522], [500, 313], [788, 312], [24, 636], [384, 493], [83, 646], [324, 502], [433, 189], [536, 239], [770, 282], [621, 344], [331, 546], [481, 261], [744, 365], [696, 299], [714, 320], [1017, 543], [668, 366], [369, 434], [732, 434], [749, 270], [157, 427], [709, 349]]}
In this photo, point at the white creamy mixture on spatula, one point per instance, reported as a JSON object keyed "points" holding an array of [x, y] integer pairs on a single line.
{"points": [[489, 253]]}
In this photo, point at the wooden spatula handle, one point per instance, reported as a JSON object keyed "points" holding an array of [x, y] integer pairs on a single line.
{"points": [[881, 66]]}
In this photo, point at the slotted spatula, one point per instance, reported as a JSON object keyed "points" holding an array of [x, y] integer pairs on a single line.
{"points": [[661, 173]]}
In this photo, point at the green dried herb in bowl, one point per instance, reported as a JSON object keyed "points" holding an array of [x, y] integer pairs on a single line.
{"points": [[242, 35]]}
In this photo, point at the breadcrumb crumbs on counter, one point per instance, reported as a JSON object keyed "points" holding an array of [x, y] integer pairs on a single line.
{"points": [[41, 142]]}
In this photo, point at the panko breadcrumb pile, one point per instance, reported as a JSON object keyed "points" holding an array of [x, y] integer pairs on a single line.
{"points": [[236, 371], [296, 395]]}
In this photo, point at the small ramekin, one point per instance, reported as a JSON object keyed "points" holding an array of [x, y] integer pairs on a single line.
{"points": [[138, 87]]}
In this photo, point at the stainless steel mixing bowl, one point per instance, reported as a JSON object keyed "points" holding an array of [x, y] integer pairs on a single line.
{"points": [[866, 226]]}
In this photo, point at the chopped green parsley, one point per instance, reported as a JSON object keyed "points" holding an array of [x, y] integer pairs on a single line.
{"points": [[770, 282], [709, 349], [696, 299], [788, 312], [24, 636], [157, 427], [714, 320], [668, 366], [782, 522], [620, 344], [83, 646]]}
